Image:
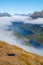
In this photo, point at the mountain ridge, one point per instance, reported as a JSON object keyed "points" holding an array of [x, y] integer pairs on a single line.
{"points": [[5, 14], [37, 14]]}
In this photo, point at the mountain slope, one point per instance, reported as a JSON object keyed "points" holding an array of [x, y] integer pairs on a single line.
{"points": [[12, 55]]}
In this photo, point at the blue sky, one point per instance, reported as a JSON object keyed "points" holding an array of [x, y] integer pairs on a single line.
{"points": [[20, 6]]}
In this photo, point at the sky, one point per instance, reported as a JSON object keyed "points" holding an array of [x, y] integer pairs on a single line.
{"points": [[20, 6]]}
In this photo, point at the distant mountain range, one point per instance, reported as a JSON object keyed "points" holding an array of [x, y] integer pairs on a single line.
{"points": [[4, 14], [23, 14], [35, 15]]}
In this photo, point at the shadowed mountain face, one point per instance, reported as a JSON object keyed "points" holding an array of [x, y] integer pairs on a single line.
{"points": [[12, 55], [36, 15], [4, 14]]}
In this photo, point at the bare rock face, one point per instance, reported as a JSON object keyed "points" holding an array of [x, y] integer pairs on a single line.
{"points": [[36, 15], [20, 56]]}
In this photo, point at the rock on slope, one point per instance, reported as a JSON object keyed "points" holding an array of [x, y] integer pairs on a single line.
{"points": [[12, 55]]}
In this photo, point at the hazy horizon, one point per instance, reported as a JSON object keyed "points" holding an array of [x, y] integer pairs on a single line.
{"points": [[20, 6]]}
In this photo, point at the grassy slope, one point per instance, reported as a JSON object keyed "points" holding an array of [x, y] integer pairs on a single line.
{"points": [[21, 56]]}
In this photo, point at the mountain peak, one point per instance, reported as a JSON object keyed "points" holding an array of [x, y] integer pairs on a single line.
{"points": [[37, 14], [4, 14]]}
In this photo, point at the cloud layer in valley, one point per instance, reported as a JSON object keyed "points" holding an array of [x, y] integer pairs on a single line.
{"points": [[7, 35], [25, 19]]}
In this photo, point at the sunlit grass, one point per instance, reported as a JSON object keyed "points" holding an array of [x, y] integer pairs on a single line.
{"points": [[26, 58]]}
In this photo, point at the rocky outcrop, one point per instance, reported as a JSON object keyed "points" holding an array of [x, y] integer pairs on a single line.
{"points": [[36, 15]]}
